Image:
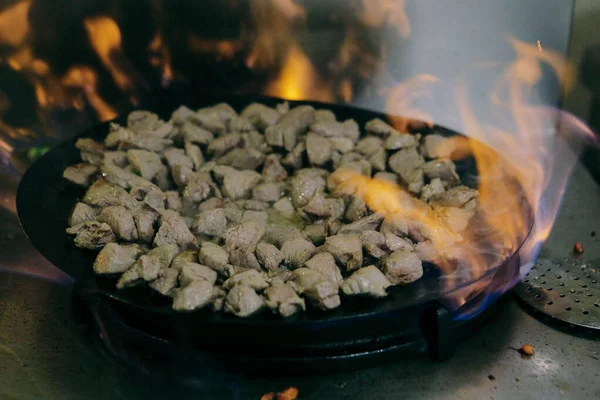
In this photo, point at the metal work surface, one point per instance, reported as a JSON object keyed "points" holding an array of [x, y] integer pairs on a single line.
{"points": [[43, 354]]}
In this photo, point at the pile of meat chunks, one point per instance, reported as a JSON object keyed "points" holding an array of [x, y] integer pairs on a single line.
{"points": [[236, 212]]}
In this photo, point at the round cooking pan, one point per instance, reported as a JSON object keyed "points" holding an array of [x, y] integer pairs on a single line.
{"points": [[359, 325]]}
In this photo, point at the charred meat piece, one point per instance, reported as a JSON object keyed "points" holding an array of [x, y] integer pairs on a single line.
{"points": [[92, 235], [346, 249], [320, 291], [80, 174], [243, 301], [268, 256], [402, 267], [283, 299], [120, 221], [285, 132], [82, 213], [194, 296], [368, 281], [116, 259], [173, 229]]}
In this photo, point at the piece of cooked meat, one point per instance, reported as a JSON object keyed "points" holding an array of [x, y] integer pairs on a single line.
{"points": [[283, 299], [272, 170], [213, 256], [370, 222], [238, 184], [260, 115], [246, 158], [368, 281], [244, 257], [173, 229], [457, 196], [357, 209], [296, 252], [193, 133], [194, 153], [123, 177], [239, 124], [269, 191], [191, 271], [386, 176], [144, 162], [91, 151], [223, 144], [120, 221], [316, 233], [437, 146], [342, 145], [115, 258], [246, 234], [318, 149], [80, 174], [285, 132], [258, 216], [141, 121], [402, 267], [243, 301], [92, 235], [210, 118], [118, 158], [432, 188], [374, 243], [443, 169], [380, 128], [405, 161], [145, 218], [416, 181], [183, 258], [346, 249], [320, 291], [103, 194], [395, 224], [329, 128], [251, 278], [378, 160], [166, 282], [394, 243], [324, 263], [268, 256], [150, 195], [82, 213], [401, 141], [177, 157], [295, 158], [304, 187], [210, 222], [148, 266], [194, 296], [369, 145]]}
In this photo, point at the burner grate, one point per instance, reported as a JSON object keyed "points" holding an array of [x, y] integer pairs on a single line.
{"points": [[567, 291]]}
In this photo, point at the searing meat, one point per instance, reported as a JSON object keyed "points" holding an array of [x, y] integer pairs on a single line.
{"points": [[80, 174], [114, 258], [367, 281], [243, 301], [92, 235], [283, 299], [261, 202]]}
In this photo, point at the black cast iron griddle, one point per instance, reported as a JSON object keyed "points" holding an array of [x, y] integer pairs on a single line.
{"points": [[359, 327]]}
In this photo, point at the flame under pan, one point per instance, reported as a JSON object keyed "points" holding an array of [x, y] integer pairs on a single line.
{"points": [[420, 313]]}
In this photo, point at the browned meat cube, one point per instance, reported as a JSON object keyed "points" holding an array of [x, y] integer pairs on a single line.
{"points": [[456, 197], [166, 282], [285, 132], [173, 229], [296, 252], [121, 222], [148, 266], [378, 127], [320, 291], [243, 301], [82, 213], [401, 141], [251, 278], [304, 188], [346, 249], [145, 163], [405, 161], [443, 169], [223, 144], [247, 234], [144, 219], [193, 133], [370, 222], [318, 149], [268, 256], [260, 115], [374, 243], [191, 271], [369, 145], [324, 263], [283, 299], [194, 296], [214, 256], [273, 171], [243, 158], [211, 222]]}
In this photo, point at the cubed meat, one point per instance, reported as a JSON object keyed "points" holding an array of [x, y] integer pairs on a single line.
{"points": [[244, 257], [285, 208], [238, 185], [285, 132], [82, 213], [318, 149], [149, 195], [243, 158], [324, 115], [270, 192], [122, 177], [457, 196], [260, 115], [437, 146], [186, 256], [140, 121], [145, 218], [324, 263], [247, 234], [92, 235], [251, 278], [443, 169], [194, 296], [316, 233], [284, 300], [401, 141], [357, 209], [144, 162], [148, 266], [367, 281], [369, 145], [416, 181], [223, 144], [116, 259], [320, 291], [304, 188], [341, 144], [173, 229], [295, 158], [166, 282], [378, 160], [243, 301], [346, 249], [296, 252], [80, 174], [370, 222], [239, 124], [272, 170], [193, 133], [209, 119], [211, 222], [181, 115], [380, 128], [194, 153], [434, 187], [268, 256], [395, 224], [328, 128], [394, 242], [191, 271], [118, 158], [402, 267], [120, 221], [405, 161], [374, 243], [253, 215], [177, 157], [172, 201]]}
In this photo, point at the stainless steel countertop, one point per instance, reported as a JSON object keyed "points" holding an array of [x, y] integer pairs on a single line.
{"points": [[43, 354]]}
